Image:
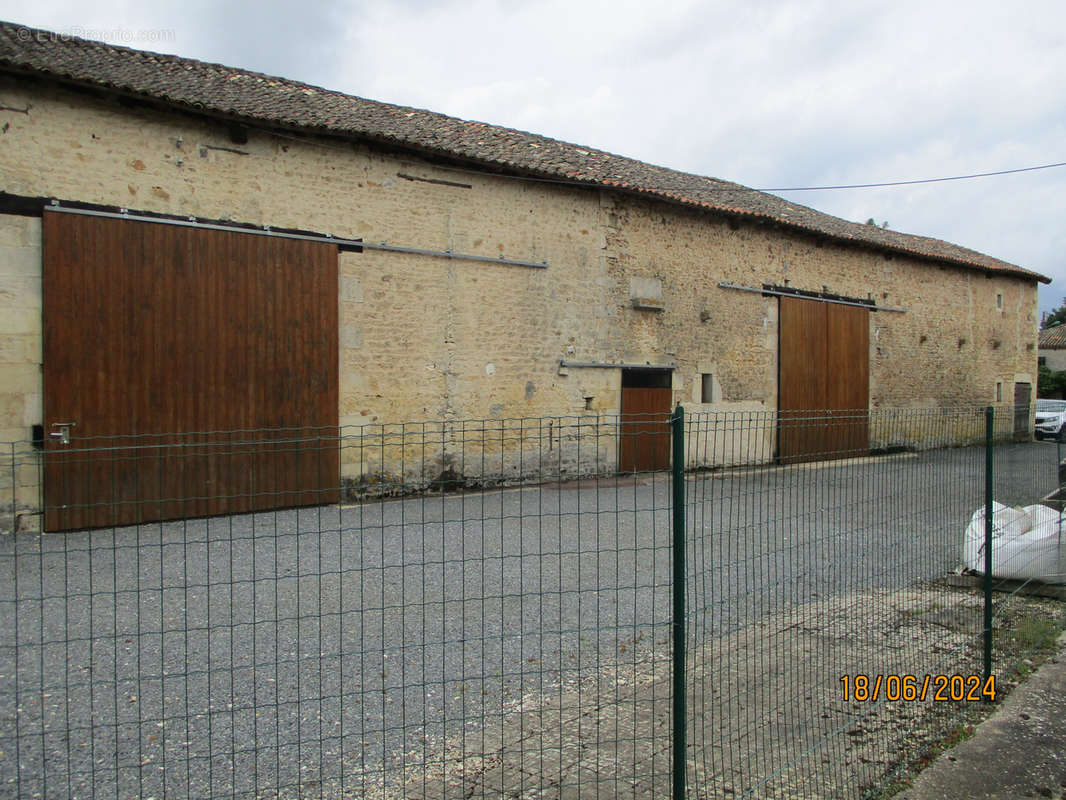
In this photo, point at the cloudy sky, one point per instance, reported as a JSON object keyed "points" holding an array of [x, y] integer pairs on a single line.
{"points": [[771, 94]]}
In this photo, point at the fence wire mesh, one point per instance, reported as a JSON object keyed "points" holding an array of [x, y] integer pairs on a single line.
{"points": [[819, 585], [483, 608], [1027, 613], [427, 636]]}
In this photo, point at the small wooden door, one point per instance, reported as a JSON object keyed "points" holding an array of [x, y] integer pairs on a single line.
{"points": [[198, 367], [823, 380], [644, 437]]}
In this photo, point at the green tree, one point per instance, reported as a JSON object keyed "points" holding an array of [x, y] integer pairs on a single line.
{"points": [[1050, 383], [1056, 317]]}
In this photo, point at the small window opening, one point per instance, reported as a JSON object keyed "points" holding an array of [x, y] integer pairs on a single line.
{"points": [[999, 391], [588, 403], [999, 301], [707, 392]]}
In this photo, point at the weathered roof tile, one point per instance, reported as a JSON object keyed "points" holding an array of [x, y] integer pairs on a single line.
{"points": [[250, 96], [1053, 338]]}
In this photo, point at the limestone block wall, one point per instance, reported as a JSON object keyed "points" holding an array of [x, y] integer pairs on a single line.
{"points": [[962, 339], [20, 364], [961, 331], [629, 281], [21, 334]]}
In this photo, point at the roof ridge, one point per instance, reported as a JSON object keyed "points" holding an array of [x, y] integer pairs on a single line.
{"points": [[204, 86], [64, 38], [226, 69]]}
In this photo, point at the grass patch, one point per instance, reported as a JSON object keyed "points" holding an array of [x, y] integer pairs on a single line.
{"points": [[1025, 633], [1036, 633]]}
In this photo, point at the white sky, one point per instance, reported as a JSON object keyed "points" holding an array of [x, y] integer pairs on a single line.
{"points": [[764, 93]]}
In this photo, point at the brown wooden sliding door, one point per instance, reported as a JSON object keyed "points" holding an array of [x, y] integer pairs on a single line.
{"points": [[823, 380], [198, 367]]}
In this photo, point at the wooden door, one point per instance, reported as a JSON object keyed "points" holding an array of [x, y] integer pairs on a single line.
{"points": [[847, 380], [823, 380], [199, 368], [644, 442], [802, 378]]}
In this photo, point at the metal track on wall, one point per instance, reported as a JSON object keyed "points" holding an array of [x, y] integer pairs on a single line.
{"points": [[821, 298], [345, 244]]}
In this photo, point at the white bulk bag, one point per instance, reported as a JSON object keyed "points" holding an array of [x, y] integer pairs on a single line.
{"points": [[1027, 543]]}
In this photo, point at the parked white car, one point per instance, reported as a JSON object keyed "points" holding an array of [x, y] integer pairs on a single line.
{"points": [[1050, 418]]}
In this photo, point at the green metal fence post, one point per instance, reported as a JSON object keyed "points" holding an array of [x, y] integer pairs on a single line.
{"points": [[680, 711], [990, 421]]}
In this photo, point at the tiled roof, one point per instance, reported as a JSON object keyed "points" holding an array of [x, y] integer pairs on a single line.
{"points": [[1053, 338], [256, 98]]}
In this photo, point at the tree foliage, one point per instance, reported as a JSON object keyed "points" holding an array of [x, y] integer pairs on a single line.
{"points": [[1050, 383], [1056, 317]]}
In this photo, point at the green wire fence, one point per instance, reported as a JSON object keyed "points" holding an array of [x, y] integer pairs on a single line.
{"points": [[494, 608]]}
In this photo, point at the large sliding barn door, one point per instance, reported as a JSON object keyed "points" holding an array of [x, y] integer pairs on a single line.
{"points": [[823, 380], [198, 367]]}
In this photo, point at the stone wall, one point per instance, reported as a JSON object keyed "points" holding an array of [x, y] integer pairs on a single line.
{"points": [[21, 346], [629, 280]]}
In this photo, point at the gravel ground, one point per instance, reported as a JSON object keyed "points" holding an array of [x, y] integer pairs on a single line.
{"points": [[365, 649], [747, 736]]}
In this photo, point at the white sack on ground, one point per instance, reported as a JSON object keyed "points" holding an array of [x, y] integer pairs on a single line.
{"points": [[1027, 543]]}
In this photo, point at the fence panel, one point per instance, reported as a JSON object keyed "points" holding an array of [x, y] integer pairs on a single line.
{"points": [[468, 622], [487, 612], [809, 579]]}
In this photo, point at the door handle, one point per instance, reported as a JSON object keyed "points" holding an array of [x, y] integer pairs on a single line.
{"points": [[63, 434]]}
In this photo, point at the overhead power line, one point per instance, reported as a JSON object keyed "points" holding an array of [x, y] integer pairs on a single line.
{"points": [[910, 183]]}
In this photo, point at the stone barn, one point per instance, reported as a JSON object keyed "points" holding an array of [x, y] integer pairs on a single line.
{"points": [[188, 248]]}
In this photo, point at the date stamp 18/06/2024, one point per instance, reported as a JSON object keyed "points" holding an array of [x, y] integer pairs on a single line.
{"points": [[918, 688]]}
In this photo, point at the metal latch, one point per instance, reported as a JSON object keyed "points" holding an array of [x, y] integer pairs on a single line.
{"points": [[63, 434]]}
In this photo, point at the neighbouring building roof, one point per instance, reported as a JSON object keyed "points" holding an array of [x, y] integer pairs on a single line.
{"points": [[1053, 338], [218, 90]]}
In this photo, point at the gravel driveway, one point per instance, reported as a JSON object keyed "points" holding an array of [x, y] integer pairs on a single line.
{"points": [[338, 651]]}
